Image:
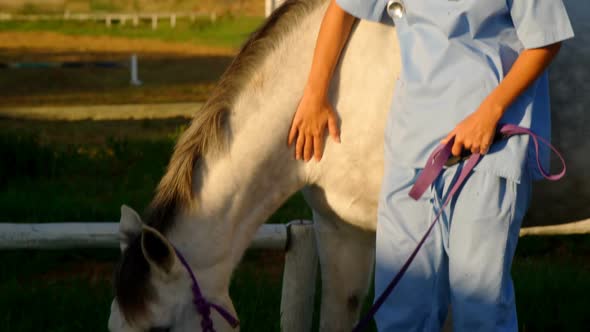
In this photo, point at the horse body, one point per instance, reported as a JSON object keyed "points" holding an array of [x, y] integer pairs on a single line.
{"points": [[234, 186], [238, 186]]}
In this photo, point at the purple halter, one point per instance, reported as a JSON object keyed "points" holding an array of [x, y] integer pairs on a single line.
{"points": [[202, 305], [433, 167]]}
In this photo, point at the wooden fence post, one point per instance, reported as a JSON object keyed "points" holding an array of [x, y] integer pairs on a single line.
{"points": [[299, 277]]}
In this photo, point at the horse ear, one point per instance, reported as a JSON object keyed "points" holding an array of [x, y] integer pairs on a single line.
{"points": [[129, 226], [158, 252]]}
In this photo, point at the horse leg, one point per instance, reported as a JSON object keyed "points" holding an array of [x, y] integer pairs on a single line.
{"points": [[346, 255]]}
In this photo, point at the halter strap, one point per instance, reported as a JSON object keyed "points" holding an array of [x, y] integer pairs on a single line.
{"points": [[202, 305], [431, 171]]}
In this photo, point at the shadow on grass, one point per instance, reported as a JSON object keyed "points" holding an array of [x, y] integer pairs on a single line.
{"points": [[166, 78], [61, 291], [84, 170], [51, 293], [45, 177]]}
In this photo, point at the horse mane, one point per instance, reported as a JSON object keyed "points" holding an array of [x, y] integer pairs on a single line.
{"points": [[207, 130], [206, 133]]}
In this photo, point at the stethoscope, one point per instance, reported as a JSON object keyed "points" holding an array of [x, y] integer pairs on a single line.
{"points": [[396, 9]]}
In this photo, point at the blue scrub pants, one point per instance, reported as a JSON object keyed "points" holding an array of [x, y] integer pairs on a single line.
{"points": [[466, 260]]}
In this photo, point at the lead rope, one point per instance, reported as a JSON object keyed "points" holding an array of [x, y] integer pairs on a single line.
{"points": [[431, 171]]}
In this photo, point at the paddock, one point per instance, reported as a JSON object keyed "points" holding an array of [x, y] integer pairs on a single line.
{"points": [[551, 271], [295, 239]]}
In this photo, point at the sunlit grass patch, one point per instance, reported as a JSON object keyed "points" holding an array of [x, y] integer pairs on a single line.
{"points": [[227, 30]]}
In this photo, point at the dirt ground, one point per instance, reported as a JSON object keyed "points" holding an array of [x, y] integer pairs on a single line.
{"points": [[51, 46], [102, 112], [171, 72]]}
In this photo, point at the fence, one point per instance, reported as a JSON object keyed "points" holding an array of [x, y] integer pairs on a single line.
{"points": [[133, 18], [105, 234], [295, 238], [110, 18]]}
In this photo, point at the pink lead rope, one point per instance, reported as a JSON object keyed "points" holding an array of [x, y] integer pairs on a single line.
{"points": [[431, 171]]}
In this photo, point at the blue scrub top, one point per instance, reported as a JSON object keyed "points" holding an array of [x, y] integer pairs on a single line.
{"points": [[454, 53]]}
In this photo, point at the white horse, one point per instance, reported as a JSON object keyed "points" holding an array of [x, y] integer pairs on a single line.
{"points": [[232, 169]]}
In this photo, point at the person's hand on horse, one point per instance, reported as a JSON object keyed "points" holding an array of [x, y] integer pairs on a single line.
{"points": [[476, 132], [313, 114]]}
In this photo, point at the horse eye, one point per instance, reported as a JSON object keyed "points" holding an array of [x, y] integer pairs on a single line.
{"points": [[159, 329]]}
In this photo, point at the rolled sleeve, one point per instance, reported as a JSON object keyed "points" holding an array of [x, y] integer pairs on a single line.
{"points": [[371, 10], [540, 23]]}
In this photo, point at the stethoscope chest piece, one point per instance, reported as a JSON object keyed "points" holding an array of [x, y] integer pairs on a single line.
{"points": [[396, 9]]}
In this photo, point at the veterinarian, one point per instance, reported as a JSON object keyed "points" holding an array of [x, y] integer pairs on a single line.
{"points": [[467, 65]]}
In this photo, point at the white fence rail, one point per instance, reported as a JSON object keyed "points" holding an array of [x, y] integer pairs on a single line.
{"points": [[101, 235], [110, 18], [105, 234], [572, 228], [132, 18], [296, 238]]}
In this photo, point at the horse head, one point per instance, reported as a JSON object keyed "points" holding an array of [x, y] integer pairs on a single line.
{"points": [[154, 289]]}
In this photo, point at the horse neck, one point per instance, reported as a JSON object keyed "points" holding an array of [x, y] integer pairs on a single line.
{"points": [[236, 190]]}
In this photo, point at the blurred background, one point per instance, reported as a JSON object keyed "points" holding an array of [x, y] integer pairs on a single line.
{"points": [[93, 94]]}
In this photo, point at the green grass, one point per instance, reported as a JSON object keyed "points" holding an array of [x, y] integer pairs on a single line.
{"points": [[31, 301], [84, 170], [77, 182], [552, 283], [143, 6], [551, 294], [53, 178], [226, 31], [50, 178], [171, 76], [104, 6], [46, 294]]}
